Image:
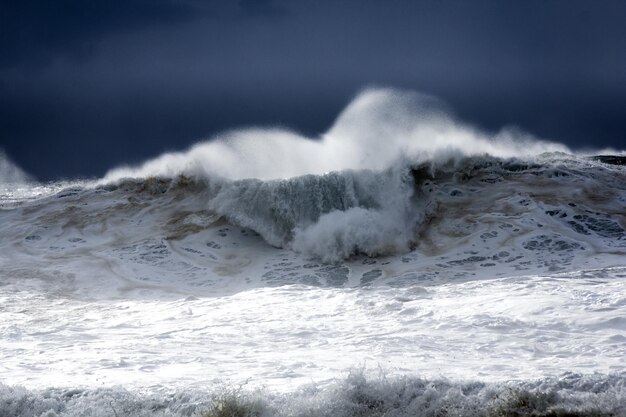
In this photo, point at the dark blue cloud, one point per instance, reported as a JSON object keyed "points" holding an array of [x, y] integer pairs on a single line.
{"points": [[96, 84], [35, 31], [265, 8]]}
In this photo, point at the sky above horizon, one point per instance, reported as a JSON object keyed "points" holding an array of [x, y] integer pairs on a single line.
{"points": [[87, 86]]}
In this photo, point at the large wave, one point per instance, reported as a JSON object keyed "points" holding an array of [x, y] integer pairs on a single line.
{"points": [[558, 210]]}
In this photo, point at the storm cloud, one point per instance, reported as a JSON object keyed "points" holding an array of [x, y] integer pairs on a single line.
{"points": [[85, 86]]}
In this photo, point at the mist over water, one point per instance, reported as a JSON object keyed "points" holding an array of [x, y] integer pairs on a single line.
{"points": [[11, 173], [377, 129]]}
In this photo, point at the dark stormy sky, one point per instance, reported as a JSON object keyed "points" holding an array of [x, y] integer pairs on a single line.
{"points": [[87, 85]]}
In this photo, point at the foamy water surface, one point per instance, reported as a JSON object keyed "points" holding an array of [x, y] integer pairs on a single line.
{"points": [[401, 252]]}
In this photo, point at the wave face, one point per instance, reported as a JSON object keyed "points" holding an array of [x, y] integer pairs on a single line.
{"points": [[331, 216]]}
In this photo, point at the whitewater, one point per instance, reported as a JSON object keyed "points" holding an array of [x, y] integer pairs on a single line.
{"points": [[403, 263]]}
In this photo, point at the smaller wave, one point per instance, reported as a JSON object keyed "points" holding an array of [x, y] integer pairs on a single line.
{"points": [[570, 395]]}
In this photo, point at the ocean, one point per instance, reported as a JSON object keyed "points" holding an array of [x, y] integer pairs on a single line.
{"points": [[402, 264]]}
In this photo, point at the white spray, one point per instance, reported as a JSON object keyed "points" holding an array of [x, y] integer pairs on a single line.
{"points": [[378, 127], [9, 172]]}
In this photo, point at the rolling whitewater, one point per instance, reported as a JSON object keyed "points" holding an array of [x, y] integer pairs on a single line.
{"points": [[403, 263]]}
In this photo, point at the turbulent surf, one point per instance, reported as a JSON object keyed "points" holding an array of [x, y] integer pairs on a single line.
{"points": [[403, 263]]}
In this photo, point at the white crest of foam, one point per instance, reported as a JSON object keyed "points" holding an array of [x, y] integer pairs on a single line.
{"points": [[377, 128]]}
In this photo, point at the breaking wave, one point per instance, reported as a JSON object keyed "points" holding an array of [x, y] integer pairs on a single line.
{"points": [[555, 202]]}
